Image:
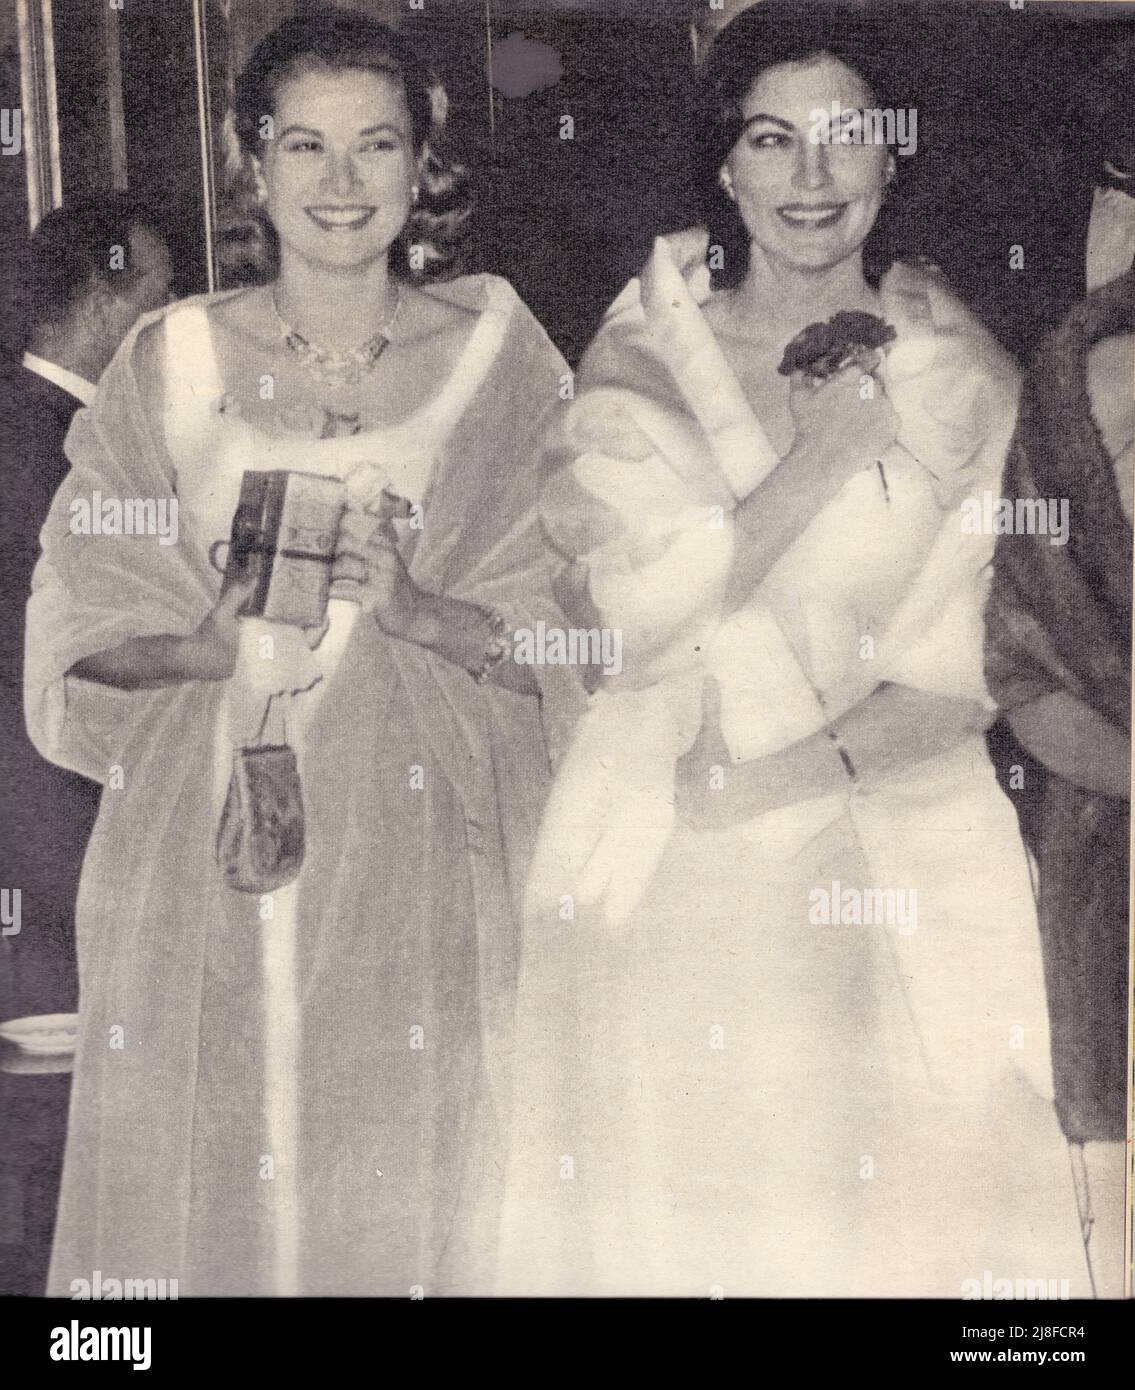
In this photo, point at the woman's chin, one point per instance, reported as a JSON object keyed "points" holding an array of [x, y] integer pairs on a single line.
{"points": [[328, 253], [809, 255]]}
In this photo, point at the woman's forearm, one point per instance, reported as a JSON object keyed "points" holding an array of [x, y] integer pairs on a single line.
{"points": [[142, 663], [898, 726], [894, 727], [1071, 739], [453, 629], [456, 630], [778, 511]]}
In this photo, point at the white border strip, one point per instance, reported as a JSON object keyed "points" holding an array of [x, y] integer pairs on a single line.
{"points": [[42, 165], [116, 115], [205, 132]]}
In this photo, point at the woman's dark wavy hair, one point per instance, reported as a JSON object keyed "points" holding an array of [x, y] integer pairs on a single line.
{"points": [[786, 31], [334, 40]]}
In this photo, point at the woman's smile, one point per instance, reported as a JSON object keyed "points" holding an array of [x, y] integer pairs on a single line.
{"points": [[351, 218], [339, 175], [811, 216], [806, 203]]}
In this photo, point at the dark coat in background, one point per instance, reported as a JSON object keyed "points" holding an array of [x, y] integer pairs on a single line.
{"points": [[1059, 619], [46, 813]]}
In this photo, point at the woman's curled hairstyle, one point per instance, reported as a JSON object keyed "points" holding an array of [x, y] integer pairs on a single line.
{"points": [[343, 40], [771, 33]]}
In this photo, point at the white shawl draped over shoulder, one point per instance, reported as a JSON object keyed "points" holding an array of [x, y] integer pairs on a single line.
{"points": [[650, 460]]}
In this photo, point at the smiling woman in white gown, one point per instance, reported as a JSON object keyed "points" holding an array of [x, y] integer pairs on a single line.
{"points": [[276, 1093], [782, 1033]]}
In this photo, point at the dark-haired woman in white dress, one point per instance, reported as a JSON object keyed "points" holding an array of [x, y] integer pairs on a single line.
{"points": [[782, 1020]]}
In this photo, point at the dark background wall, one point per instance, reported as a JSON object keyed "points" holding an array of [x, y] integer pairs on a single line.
{"points": [[569, 220]]}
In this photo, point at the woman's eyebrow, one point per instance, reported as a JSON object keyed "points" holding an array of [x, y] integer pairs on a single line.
{"points": [[369, 130], [763, 116]]}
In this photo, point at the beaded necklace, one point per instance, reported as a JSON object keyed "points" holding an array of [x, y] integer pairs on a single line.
{"points": [[339, 369]]}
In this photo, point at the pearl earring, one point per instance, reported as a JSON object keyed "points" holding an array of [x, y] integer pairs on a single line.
{"points": [[414, 193]]}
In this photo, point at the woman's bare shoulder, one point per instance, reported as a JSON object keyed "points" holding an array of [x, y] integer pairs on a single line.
{"points": [[423, 313], [148, 349], [244, 316], [230, 311]]}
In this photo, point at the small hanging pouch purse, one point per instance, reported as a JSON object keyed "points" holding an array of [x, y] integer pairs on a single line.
{"points": [[260, 839]]}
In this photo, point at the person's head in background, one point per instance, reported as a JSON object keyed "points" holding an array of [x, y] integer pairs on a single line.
{"points": [[707, 22], [1089, 195], [1102, 113], [92, 268]]}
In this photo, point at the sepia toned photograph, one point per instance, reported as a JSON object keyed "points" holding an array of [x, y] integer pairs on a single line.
{"points": [[567, 607]]}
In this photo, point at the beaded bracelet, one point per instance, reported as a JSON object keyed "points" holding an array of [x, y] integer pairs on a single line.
{"points": [[498, 649]]}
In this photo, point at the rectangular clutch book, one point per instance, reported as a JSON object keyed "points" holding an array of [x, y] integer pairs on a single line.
{"points": [[284, 531]]}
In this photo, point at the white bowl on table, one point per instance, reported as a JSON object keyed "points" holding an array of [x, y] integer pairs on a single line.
{"points": [[42, 1035]]}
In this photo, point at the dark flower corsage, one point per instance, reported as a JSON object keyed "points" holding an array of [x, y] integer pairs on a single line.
{"points": [[822, 349]]}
